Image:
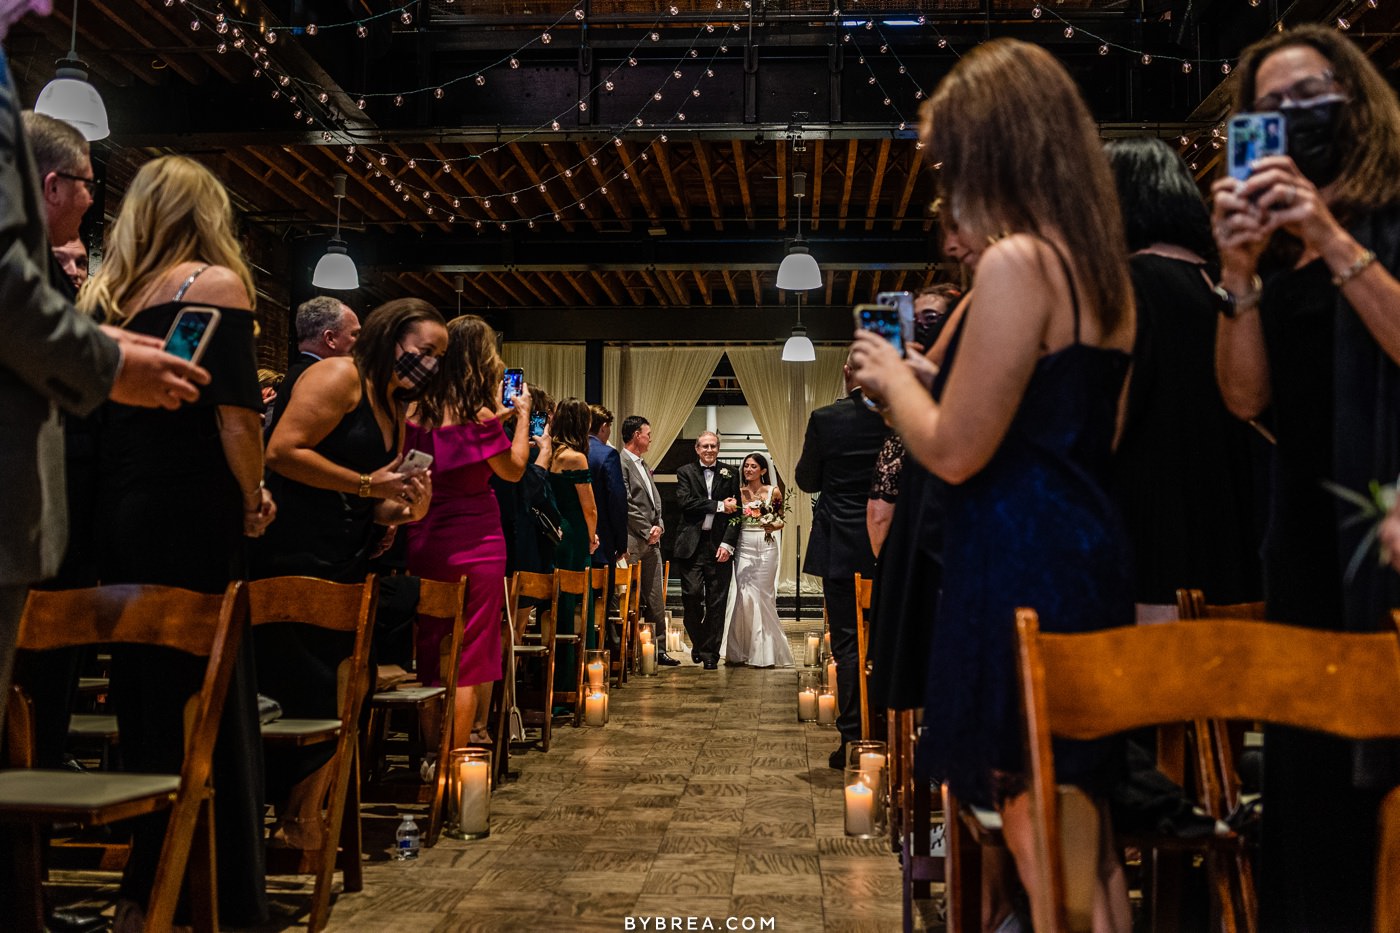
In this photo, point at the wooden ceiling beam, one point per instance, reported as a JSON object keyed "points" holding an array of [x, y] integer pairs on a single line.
{"points": [[362, 175], [607, 288], [757, 287], [911, 180], [498, 181], [678, 287], [548, 280], [877, 181], [505, 286], [487, 289], [157, 31], [658, 150], [702, 159], [634, 291], [442, 293], [899, 282], [582, 287], [875, 285], [612, 192], [320, 205], [538, 181], [195, 72], [444, 200], [742, 173], [851, 287], [639, 182], [352, 195], [527, 282], [663, 297], [729, 286], [470, 190], [830, 284], [704, 286], [566, 174], [819, 167], [117, 68], [851, 150]]}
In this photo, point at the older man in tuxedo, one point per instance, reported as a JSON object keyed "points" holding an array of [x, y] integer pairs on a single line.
{"points": [[645, 527], [326, 327], [708, 493], [838, 461]]}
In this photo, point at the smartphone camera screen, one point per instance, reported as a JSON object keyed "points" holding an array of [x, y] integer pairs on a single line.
{"points": [[1251, 137], [187, 333], [538, 420], [511, 385], [883, 321]]}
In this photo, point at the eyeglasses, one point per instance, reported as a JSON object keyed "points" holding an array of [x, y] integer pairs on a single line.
{"points": [[1302, 91], [89, 183]]}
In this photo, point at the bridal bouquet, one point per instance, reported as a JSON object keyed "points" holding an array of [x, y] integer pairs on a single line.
{"points": [[1371, 509], [769, 515]]}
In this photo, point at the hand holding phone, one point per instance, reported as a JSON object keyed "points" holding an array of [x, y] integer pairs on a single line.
{"points": [[883, 320], [904, 301], [538, 420], [415, 462], [191, 332], [1252, 136], [511, 385]]}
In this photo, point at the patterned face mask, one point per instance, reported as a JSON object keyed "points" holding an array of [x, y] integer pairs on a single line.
{"points": [[415, 368]]}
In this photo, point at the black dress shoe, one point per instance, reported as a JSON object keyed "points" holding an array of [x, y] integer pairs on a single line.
{"points": [[68, 920], [711, 664], [838, 758], [694, 657], [665, 660]]}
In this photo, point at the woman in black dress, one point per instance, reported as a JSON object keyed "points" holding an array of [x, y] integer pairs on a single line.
{"points": [[1183, 472], [1309, 251], [178, 491], [333, 459]]}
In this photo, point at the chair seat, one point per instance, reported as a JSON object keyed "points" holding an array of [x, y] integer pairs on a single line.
{"points": [[406, 695], [94, 798], [529, 649], [301, 731], [89, 686], [989, 821], [93, 726]]}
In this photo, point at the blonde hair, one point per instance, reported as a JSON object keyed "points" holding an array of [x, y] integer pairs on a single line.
{"points": [[174, 211]]}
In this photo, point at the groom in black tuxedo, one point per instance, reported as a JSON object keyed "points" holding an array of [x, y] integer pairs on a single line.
{"points": [[708, 493]]}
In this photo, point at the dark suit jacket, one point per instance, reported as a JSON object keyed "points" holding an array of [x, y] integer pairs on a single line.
{"points": [[284, 391], [610, 495], [696, 503], [50, 357], [838, 461]]}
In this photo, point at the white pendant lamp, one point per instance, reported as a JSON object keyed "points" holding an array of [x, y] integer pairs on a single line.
{"points": [[799, 270], [798, 348], [70, 98], [336, 270]]}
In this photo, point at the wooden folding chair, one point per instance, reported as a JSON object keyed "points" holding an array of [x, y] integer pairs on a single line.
{"points": [[865, 588], [442, 600], [528, 589], [1096, 684], [337, 607], [628, 588], [198, 624]]}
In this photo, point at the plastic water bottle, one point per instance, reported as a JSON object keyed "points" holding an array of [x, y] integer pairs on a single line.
{"points": [[407, 836]]}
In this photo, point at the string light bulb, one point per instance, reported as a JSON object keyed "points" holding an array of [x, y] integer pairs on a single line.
{"points": [[312, 29], [1069, 32], [1186, 68], [360, 30], [1103, 48], [1037, 12]]}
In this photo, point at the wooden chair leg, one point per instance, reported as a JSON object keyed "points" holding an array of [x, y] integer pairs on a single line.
{"points": [[963, 884], [352, 839], [546, 729], [202, 872], [24, 845]]}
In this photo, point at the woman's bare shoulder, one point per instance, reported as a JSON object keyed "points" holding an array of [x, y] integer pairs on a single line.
{"points": [[567, 459]]}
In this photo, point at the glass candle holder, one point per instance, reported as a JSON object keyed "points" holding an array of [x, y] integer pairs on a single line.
{"points": [[831, 674], [869, 755], [812, 655], [646, 649], [468, 793], [595, 705], [865, 806], [826, 707], [808, 686], [826, 645], [597, 664]]}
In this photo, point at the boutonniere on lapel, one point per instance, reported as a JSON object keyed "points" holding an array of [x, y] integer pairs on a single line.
{"points": [[724, 471]]}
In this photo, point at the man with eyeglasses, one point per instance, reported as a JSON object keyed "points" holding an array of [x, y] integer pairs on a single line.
{"points": [[64, 168]]}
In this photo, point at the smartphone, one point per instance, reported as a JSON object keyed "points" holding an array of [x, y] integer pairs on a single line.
{"points": [[883, 320], [1253, 136], [538, 421], [511, 386], [190, 334], [415, 462], [904, 301]]}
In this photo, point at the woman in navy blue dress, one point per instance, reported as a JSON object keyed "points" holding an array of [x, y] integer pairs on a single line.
{"points": [[1024, 429]]}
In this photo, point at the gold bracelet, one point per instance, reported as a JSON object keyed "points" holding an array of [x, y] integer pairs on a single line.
{"points": [[1367, 257], [364, 485]]}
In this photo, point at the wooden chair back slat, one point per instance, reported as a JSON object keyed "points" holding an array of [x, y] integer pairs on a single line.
{"points": [[865, 589], [1099, 683], [535, 587], [444, 600], [124, 613]]}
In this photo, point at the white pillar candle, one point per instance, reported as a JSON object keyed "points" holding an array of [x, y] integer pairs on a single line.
{"points": [[871, 764], [595, 708], [595, 673], [826, 644], [648, 658], [826, 709], [806, 704], [474, 796], [645, 635], [812, 642], [860, 809], [831, 676]]}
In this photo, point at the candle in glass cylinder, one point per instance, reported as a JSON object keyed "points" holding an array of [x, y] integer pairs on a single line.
{"points": [[474, 796], [648, 658], [645, 636], [860, 809], [872, 763], [806, 705], [831, 676], [595, 708], [813, 641], [595, 673], [826, 644], [826, 709]]}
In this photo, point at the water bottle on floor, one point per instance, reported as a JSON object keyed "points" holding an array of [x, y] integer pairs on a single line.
{"points": [[407, 836]]}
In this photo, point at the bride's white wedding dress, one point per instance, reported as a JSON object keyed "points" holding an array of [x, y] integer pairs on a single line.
{"points": [[752, 633]]}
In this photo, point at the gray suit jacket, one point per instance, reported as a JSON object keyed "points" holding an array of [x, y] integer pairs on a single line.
{"points": [[50, 357], [642, 514]]}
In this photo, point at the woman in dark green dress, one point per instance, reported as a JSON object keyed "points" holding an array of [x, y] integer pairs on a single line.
{"points": [[573, 490]]}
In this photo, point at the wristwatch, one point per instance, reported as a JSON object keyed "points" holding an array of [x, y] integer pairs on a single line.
{"points": [[1231, 305]]}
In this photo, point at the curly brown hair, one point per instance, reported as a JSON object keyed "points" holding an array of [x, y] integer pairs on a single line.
{"points": [[468, 376]]}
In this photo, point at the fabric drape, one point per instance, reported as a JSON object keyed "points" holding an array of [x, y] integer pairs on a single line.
{"points": [[555, 367], [663, 384], [782, 396]]}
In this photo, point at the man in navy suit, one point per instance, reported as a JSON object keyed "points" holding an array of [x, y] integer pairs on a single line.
{"points": [[610, 496]]}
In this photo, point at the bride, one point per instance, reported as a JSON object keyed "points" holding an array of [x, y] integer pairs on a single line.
{"points": [[753, 635]]}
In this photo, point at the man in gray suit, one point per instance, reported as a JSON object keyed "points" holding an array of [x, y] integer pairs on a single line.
{"points": [[51, 357], [644, 527]]}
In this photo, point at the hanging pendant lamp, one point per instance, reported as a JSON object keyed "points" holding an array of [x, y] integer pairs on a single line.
{"points": [[336, 270], [799, 270], [798, 348], [70, 98]]}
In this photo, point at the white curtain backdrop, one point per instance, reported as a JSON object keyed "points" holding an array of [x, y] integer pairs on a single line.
{"points": [[555, 367], [782, 396], [662, 384], [612, 390]]}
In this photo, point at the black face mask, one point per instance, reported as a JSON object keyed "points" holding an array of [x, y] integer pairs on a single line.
{"points": [[1312, 138]]}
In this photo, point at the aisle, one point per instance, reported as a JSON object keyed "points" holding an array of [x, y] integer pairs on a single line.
{"points": [[703, 798]]}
